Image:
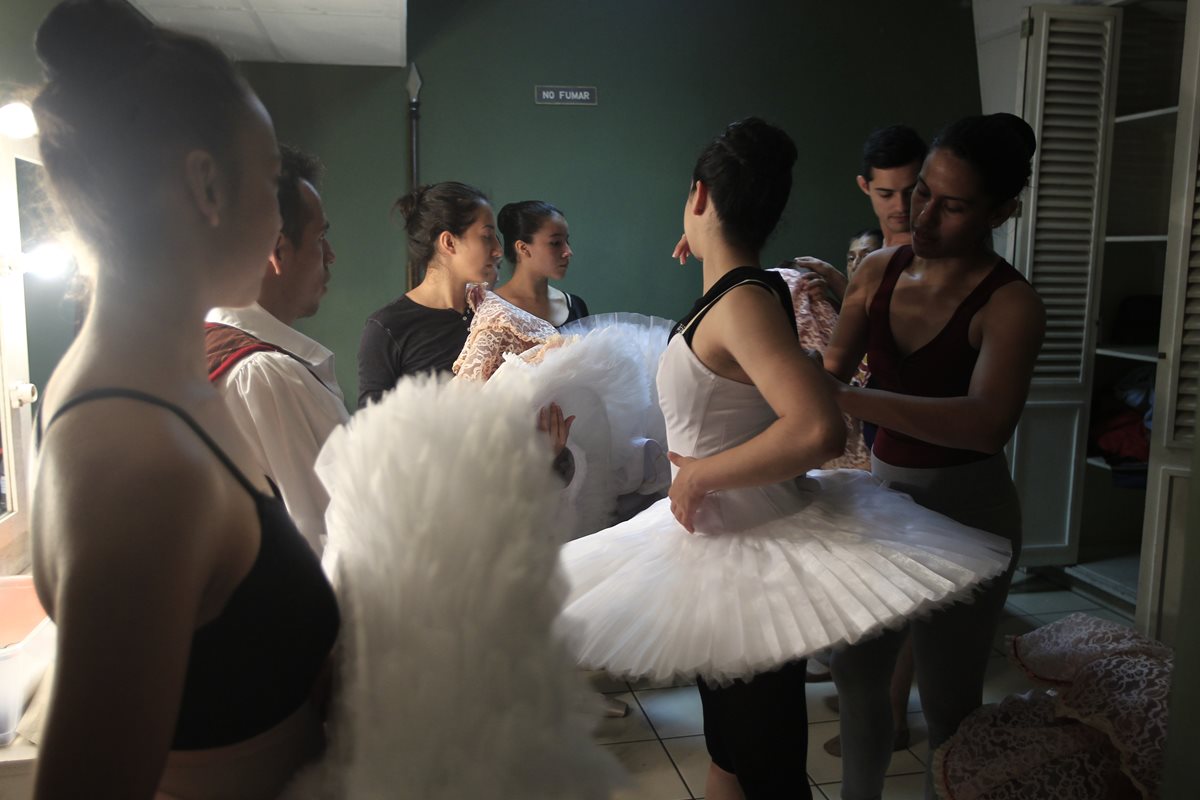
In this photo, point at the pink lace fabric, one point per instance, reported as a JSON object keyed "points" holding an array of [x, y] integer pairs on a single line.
{"points": [[1100, 733], [815, 321], [500, 328]]}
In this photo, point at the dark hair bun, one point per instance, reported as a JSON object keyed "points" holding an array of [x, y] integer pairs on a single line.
{"points": [[408, 205], [1018, 129], [88, 40], [999, 147], [753, 140]]}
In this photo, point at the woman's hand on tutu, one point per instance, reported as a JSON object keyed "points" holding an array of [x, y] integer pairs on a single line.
{"points": [[682, 250], [551, 422], [686, 493]]}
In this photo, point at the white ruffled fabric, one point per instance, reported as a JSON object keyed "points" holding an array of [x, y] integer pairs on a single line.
{"points": [[603, 374], [452, 683], [648, 599]]}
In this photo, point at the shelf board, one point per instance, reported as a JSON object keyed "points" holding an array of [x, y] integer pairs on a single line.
{"points": [[1157, 112], [1148, 353], [1098, 461], [1151, 238]]}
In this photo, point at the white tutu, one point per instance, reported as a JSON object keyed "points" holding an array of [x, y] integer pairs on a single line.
{"points": [[451, 682], [649, 599], [603, 375]]}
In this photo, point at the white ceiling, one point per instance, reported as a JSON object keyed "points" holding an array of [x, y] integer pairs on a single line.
{"points": [[350, 32]]}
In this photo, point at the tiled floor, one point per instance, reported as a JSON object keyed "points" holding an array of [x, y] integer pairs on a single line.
{"points": [[661, 743]]}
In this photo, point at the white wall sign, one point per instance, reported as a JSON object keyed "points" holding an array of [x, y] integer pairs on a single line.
{"points": [[565, 95]]}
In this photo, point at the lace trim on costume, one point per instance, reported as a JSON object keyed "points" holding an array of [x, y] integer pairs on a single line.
{"points": [[499, 328]]}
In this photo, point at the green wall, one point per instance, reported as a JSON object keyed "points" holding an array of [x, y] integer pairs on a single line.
{"points": [[355, 119], [669, 76]]}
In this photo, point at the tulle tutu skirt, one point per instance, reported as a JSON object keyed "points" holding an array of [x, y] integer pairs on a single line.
{"points": [[648, 599], [451, 682], [604, 375]]}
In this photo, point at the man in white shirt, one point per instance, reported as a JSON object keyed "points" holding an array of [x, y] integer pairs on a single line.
{"points": [[278, 383]]}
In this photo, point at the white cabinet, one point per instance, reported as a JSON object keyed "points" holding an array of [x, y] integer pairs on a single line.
{"points": [[1108, 237]]}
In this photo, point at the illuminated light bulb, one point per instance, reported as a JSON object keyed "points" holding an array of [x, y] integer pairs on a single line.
{"points": [[47, 261], [17, 122]]}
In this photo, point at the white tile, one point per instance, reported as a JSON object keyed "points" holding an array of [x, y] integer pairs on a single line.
{"points": [[1012, 625], [814, 695], [897, 787], [601, 681], [647, 683], [652, 775], [824, 768], [336, 39], [1002, 679], [673, 712], [1050, 601], [691, 759], [1112, 616], [633, 727]]}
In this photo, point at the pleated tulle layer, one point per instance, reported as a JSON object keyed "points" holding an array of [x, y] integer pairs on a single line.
{"points": [[648, 599]]}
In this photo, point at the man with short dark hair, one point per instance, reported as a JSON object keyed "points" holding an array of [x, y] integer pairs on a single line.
{"points": [[278, 383], [892, 159]]}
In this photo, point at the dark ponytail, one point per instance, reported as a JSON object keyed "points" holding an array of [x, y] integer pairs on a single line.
{"points": [[433, 208]]}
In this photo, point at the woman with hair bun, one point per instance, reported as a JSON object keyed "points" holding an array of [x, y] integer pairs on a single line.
{"points": [[952, 331], [451, 236], [749, 566], [537, 243], [194, 623]]}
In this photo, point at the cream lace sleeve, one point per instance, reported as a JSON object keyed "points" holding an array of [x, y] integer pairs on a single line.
{"points": [[500, 328]]}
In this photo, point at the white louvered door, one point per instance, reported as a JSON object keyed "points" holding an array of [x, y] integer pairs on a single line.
{"points": [[1068, 99], [1176, 387]]}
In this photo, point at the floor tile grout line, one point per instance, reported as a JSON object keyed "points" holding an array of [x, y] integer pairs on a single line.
{"points": [[670, 758]]}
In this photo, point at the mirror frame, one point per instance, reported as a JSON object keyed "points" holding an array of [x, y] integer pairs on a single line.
{"points": [[16, 424]]}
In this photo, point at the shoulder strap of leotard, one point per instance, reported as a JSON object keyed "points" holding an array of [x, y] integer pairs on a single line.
{"points": [[134, 394], [771, 281]]}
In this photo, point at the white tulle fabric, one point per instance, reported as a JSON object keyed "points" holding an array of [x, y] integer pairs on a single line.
{"points": [[774, 573], [452, 684], [602, 373]]}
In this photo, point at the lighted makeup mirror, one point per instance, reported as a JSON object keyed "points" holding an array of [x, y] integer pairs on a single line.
{"points": [[36, 326]]}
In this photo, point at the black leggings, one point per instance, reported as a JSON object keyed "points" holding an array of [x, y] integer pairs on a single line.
{"points": [[758, 731]]}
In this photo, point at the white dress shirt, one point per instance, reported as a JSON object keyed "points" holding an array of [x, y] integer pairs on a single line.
{"points": [[285, 409]]}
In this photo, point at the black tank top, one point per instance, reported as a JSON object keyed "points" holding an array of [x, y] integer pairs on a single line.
{"points": [[257, 662], [731, 280]]}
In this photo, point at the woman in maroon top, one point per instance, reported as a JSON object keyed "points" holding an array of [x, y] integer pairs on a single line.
{"points": [[952, 332]]}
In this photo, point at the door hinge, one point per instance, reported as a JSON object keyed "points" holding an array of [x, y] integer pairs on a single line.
{"points": [[1026, 27]]}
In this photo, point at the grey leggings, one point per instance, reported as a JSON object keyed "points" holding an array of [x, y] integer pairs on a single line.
{"points": [[951, 648]]}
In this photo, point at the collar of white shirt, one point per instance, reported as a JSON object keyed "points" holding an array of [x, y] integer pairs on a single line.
{"points": [[261, 324]]}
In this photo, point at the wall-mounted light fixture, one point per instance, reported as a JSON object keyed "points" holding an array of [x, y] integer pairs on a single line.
{"points": [[17, 122]]}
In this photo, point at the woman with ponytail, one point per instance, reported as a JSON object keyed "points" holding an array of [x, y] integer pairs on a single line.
{"points": [[452, 242]]}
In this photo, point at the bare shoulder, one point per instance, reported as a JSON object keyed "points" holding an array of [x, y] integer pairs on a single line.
{"points": [[1018, 300], [121, 486], [871, 270]]}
